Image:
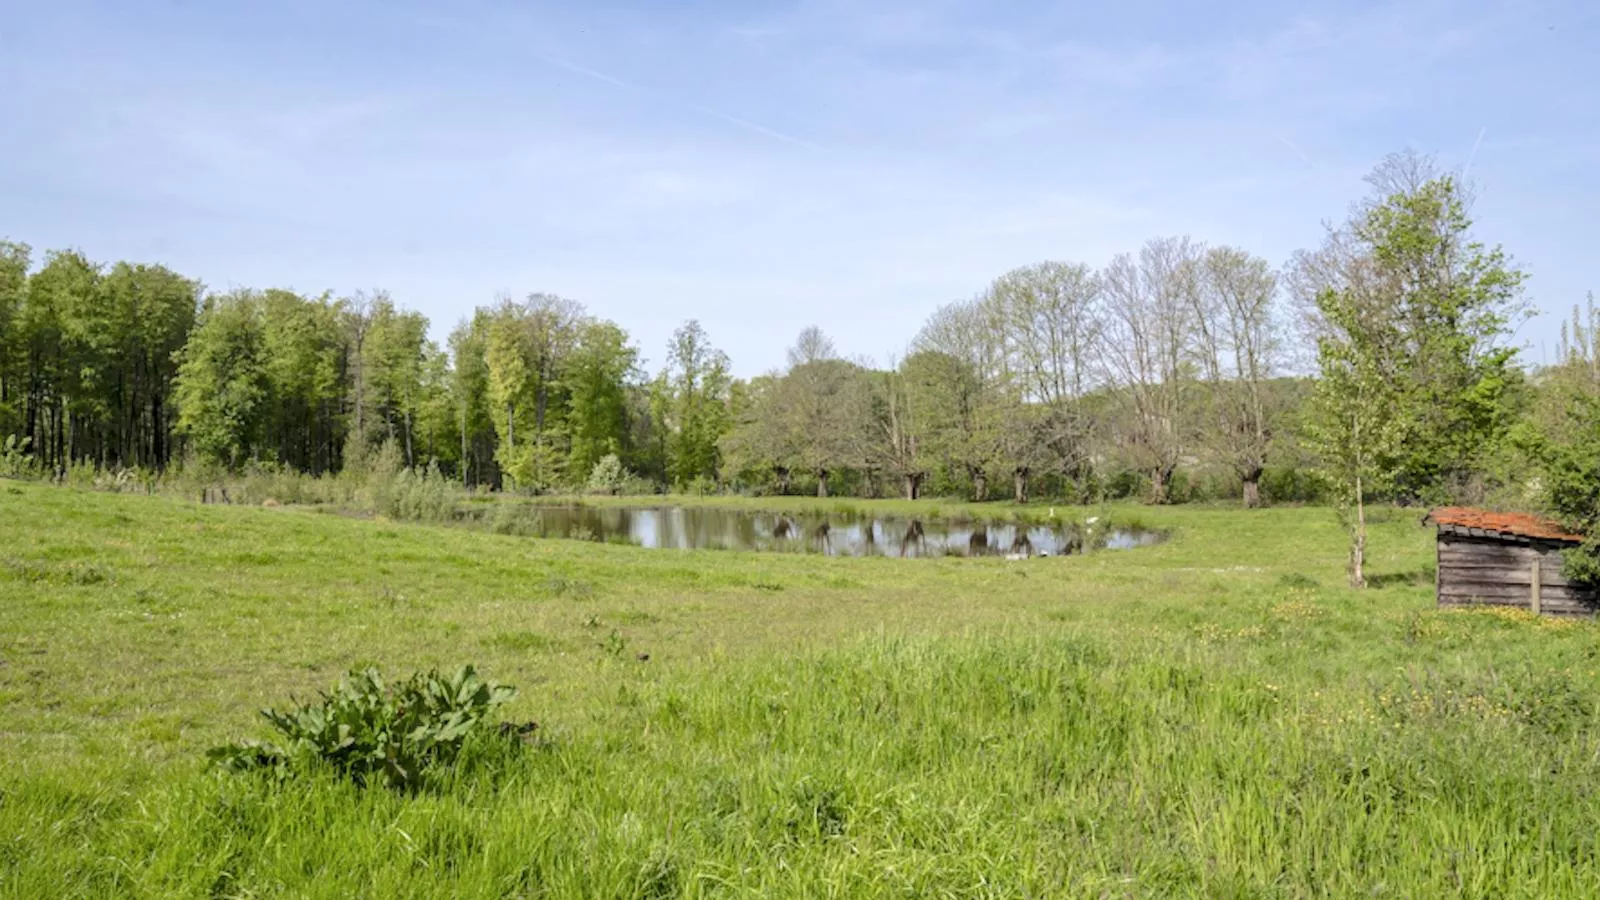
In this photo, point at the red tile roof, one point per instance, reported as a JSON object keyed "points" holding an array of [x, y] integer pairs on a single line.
{"points": [[1496, 524]]}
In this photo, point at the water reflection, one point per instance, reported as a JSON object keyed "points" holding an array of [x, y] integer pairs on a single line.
{"points": [[671, 527]]}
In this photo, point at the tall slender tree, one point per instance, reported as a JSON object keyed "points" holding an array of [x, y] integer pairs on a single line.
{"points": [[1411, 330]]}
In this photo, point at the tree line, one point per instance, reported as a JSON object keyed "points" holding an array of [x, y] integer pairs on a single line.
{"points": [[1375, 366], [136, 366]]}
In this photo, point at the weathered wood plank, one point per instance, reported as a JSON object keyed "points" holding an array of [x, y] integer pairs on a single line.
{"points": [[1521, 591], [1548, 603], [1517, 592], [1573, 608], [1548, 574], [1506, 552]]}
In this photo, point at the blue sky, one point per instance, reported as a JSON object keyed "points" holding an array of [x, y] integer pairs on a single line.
{"points": [[763, 166]]}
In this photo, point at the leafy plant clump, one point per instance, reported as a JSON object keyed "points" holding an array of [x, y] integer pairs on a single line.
{"points": [[365, 728]]}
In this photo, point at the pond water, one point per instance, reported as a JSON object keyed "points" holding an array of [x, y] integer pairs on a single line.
{"points": [[835, 534]]}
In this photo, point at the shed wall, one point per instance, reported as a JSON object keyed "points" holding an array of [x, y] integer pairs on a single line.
{"points": [[1475, 571]]}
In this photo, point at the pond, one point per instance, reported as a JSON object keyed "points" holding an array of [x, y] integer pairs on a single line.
{"points": [[834, 534]]}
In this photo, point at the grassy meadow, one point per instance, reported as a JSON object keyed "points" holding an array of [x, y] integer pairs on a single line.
{"points": [[1216, 716]]}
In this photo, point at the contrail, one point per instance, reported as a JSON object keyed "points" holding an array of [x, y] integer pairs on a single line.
{"points": [[758, 129], [580, 70], [1290, 144], [1474, 154]]}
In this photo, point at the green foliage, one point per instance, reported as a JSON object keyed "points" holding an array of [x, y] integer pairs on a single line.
{"points": [[608, 476], [421, 494], [15, 460], [222, 380], [365, 728], [597, 379], [692, 402], [1416, 384]]}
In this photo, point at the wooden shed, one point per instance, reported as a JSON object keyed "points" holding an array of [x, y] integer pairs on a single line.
{"points": [[1506, 559]]}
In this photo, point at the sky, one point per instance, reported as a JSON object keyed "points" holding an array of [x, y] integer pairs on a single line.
{"points": [[764, 166]]}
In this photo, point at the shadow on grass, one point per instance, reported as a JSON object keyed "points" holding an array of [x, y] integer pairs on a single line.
{"points": [[1422, 577]]}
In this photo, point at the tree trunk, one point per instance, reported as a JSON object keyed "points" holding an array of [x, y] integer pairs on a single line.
{"points": [[1160, 482], [1019, 485], [158, 447], [913, 483], [980, 486], [411, 458], [1252, 489], [822, 482], [1358, 542], [783, 479]]}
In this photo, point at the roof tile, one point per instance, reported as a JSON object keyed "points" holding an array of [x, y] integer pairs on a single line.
{"points": [[1518, 524]]}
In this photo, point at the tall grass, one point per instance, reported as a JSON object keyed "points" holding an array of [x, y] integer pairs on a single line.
{"points": [[1213, 716], [901, 767]]}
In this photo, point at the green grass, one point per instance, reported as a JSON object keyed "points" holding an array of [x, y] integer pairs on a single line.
{"points": [[1213, 716]]}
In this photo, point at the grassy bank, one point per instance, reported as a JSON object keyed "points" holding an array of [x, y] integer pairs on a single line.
{"points": [[1212, 716]]}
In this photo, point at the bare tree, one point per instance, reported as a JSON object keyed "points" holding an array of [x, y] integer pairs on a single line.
{"points": [[811, 346], [1148, 352], [894, 439], [1239, 345], [1052, 321]]}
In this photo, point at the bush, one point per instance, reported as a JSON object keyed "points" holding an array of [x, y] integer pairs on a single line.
{"points": [[609, 476], [418, 495], [15, 460], [365, 728]]}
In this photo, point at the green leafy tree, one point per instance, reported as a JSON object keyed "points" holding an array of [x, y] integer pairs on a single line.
{"points": [[696, 386], [1415, 379], [303, 355], [472, 407], [757, 443], [596, 380], [60, 344], [15, 260], [222, 380], [959, 364], [1560, 435]]}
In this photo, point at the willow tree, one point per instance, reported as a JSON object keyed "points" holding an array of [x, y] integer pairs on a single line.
{"points": [[1148, 350], [1240, 349]]}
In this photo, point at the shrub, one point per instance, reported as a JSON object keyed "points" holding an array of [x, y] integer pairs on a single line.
{"points": [[609, 476], [421, 495], [365, 727], [15, 460]]}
